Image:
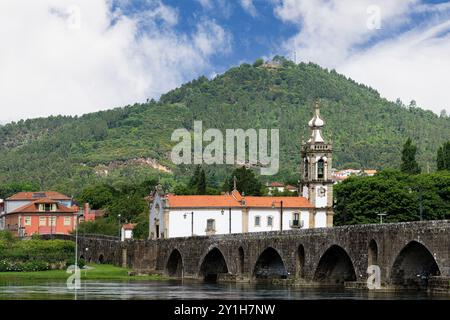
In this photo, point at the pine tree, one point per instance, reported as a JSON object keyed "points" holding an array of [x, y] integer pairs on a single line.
{"points": [[201, 186], [409, 164], [193, 182], [443, 157]]}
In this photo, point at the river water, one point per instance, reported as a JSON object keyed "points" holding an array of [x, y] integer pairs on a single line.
{"points": [[154, 290]]}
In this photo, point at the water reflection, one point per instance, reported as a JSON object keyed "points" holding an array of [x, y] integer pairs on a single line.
{"points": [[155, 290]]}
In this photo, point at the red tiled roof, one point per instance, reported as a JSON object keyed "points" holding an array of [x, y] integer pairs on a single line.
{"points": [[38, 195], [201, 201], [31, 208], [223, 201], [276, 184], [288, 202], [129, 226]]}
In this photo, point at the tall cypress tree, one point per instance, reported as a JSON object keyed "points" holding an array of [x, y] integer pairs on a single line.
{"points": [[409, 164], [193, 182], [443, 157], [201, 186]]}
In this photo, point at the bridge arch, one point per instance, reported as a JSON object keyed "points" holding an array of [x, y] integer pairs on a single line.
{"points": [[300, 261], [270, 265], [413, 266], [174, 264], [372, 253], [213, 263], [335, 267]]}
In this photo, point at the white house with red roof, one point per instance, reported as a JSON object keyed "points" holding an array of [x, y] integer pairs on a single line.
{"points": [[196, 215]]}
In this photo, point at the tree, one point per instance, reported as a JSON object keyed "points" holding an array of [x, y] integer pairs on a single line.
{"points": [[258, 62], [409, 164], [201, 186], [193, 182], [359, 199], [246, 182], [7, 190], [443, 157], [98, 196]]}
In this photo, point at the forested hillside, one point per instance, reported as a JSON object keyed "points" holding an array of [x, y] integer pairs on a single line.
{"points": [[133, 142]]}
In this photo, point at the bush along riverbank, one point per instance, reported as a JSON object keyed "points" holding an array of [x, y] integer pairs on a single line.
{"points": [[89, 272], [34, 254]]}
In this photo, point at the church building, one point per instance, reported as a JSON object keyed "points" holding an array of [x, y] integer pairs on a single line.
{"points": [[198, 215]]}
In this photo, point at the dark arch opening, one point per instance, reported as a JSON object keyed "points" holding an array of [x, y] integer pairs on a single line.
{"points": [[101, 259], [335, 267], [372, 256], [175, 264], [320, 169], [270, 266], [300, 261], [213, 264], [414, 266], [241, 260]]}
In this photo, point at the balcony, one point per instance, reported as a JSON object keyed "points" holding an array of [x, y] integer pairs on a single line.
{"points": [[296, 224]]}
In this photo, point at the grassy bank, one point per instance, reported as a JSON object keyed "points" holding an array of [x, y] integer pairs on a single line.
{"points": [[93, 272]]}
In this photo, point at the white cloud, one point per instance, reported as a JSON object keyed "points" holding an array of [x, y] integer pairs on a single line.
{"points": [[248, 6], [415, 66], [335, 34], [56, 58]]}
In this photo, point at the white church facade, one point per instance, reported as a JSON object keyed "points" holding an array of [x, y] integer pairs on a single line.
{"points": [[174, 216]]}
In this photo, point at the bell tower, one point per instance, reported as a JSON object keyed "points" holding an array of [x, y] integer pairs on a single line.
{"points": [[315, 183]]}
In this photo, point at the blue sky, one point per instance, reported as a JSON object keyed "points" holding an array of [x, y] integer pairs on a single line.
{"points": [[78, 56]]}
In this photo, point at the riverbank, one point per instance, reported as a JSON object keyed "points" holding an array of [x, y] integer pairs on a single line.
{"points": [[92, 272]]}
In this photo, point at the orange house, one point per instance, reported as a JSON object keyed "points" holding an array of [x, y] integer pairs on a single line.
{"points": [[40, 213]]}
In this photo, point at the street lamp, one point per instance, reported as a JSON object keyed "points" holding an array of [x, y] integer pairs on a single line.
{"points": [[192, 221], [281, 212], [381, 216], [120, 227], [418, 189]]}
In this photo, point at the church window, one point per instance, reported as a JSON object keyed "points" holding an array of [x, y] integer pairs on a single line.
{"points": [[210, 225], [269, 221], [320, 169]]}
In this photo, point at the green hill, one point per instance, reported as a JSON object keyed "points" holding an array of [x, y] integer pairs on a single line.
{"points": [[133, 142]]}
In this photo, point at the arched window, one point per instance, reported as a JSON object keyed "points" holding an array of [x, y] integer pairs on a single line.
{"points": [[320, 169]]}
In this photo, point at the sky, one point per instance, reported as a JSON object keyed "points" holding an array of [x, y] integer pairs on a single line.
{"points": [[72, 57]]}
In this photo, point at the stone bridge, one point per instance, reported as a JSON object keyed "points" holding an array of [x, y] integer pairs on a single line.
{"points": [[413, 254]]}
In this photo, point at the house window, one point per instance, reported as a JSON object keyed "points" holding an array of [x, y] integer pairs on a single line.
{"points": [[42, 221], [257, 221], [210, 225], [269, 221], [52, 221], [67, 221], [28, 221], [320, 169], [47, 206]]}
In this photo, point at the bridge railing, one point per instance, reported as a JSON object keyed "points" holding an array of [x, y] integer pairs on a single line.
{"points": [[80, 236]]}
